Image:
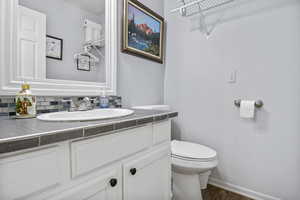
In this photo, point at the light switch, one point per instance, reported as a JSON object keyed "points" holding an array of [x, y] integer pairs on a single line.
{"points": [[232, 76]]}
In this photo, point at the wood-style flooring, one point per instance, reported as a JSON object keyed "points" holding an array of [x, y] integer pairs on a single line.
{"points": [[215, 193]]}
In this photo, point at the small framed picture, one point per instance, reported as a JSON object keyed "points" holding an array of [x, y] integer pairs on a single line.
{"points": [[54, 47], [84, 63]]}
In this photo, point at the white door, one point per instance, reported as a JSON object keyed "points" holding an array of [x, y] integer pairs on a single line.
{"points": [[148, 177], [31, 44], [107, 186]]}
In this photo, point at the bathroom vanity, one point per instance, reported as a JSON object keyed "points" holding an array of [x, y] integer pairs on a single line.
{"points": [[126, 158], [113, 159]]}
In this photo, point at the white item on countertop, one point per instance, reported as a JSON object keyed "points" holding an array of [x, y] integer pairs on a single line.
{"points": [[153, 107]]}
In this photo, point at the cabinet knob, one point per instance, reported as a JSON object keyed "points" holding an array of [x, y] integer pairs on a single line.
{"points": [[113, 182], [133, 171]]}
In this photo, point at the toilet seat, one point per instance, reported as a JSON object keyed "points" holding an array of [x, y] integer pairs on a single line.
{"points": [[193, 165], [193, 159], [192, 152]]}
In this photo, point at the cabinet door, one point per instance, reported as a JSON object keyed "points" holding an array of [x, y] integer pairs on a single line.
{"points": [[148, 177], [23, 175], [107, 186]]}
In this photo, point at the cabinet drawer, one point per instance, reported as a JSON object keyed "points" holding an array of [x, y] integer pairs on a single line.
{"points": [[93, 153], [162, 132], [30, 173]]}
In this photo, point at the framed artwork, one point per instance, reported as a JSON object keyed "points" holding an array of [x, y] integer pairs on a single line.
{"points": [[143, 31], [54, 47], [84, 63]]}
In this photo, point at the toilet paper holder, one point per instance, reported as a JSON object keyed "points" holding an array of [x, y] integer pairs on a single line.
{"points": [[258, 103]]}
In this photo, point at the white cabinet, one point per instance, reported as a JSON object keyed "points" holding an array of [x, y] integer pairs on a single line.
{"points": [[148, 176], [93, 153], [32, 172], [161, 132], [107, 186], [132, 164]]}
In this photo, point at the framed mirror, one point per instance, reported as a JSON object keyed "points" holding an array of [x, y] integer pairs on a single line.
{"points": [[59, 47]]}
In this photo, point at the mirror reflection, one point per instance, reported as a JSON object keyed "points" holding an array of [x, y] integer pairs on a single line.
{"points": [[74, 36]]}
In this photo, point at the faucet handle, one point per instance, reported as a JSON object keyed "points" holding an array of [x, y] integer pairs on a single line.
{"points": [[86, 100], [85, 104], [94, 100]]}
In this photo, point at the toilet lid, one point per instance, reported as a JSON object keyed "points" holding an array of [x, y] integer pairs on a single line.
{"points": [[192, 151]]}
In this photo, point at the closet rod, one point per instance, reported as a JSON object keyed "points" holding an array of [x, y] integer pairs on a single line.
{"points": [[199, 2]]}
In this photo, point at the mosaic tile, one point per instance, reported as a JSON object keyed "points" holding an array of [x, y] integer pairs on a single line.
{"points": [[39, 99], [7, 99], [4, 110], [51, 104], [3, 105], [44, 103]]}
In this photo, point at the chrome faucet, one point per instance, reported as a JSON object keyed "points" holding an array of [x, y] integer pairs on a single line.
{"points": [[85, 104], [78, 104]]}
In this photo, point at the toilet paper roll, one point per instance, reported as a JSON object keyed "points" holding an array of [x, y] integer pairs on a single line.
{"points": [[247, 109]]}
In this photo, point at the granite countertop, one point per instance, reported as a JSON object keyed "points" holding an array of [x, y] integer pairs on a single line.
{"points": [[20, 134]]}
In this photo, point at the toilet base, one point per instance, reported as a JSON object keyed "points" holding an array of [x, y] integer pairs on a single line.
{"points": [[203, 178], [186, 186]]}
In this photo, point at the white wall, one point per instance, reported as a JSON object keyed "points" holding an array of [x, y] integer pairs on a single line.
{"points": [[261, 40], [140, 81], [65, 20]]}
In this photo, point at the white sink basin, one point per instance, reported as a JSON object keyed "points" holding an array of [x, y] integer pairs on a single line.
{"points": [[96, 114]]}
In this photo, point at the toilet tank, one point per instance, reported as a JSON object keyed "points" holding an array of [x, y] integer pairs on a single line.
{"points": [[154, 107]]}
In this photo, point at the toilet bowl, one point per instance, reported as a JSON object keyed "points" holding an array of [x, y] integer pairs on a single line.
{"points": [[191, 166]]}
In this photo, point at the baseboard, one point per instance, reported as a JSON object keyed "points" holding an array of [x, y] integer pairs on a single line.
{"points": [[240, 190]]}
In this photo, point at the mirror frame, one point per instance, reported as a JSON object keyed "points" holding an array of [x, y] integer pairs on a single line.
{"points": [[9, 81]]}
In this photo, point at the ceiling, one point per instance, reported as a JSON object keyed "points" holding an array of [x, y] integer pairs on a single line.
{"points": [[94, 6]]}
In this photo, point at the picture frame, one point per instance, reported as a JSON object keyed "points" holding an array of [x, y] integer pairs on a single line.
{"points": [[54, 47], [143, 32], [84, 63]]}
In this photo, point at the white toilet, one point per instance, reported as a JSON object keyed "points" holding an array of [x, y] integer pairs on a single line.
{"points": [[191, 165]]}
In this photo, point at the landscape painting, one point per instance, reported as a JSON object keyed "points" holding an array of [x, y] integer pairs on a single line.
{"points": [[143, 33]]}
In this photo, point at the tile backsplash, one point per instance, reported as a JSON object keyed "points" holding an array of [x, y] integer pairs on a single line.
{"points": [[50, 104]]}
